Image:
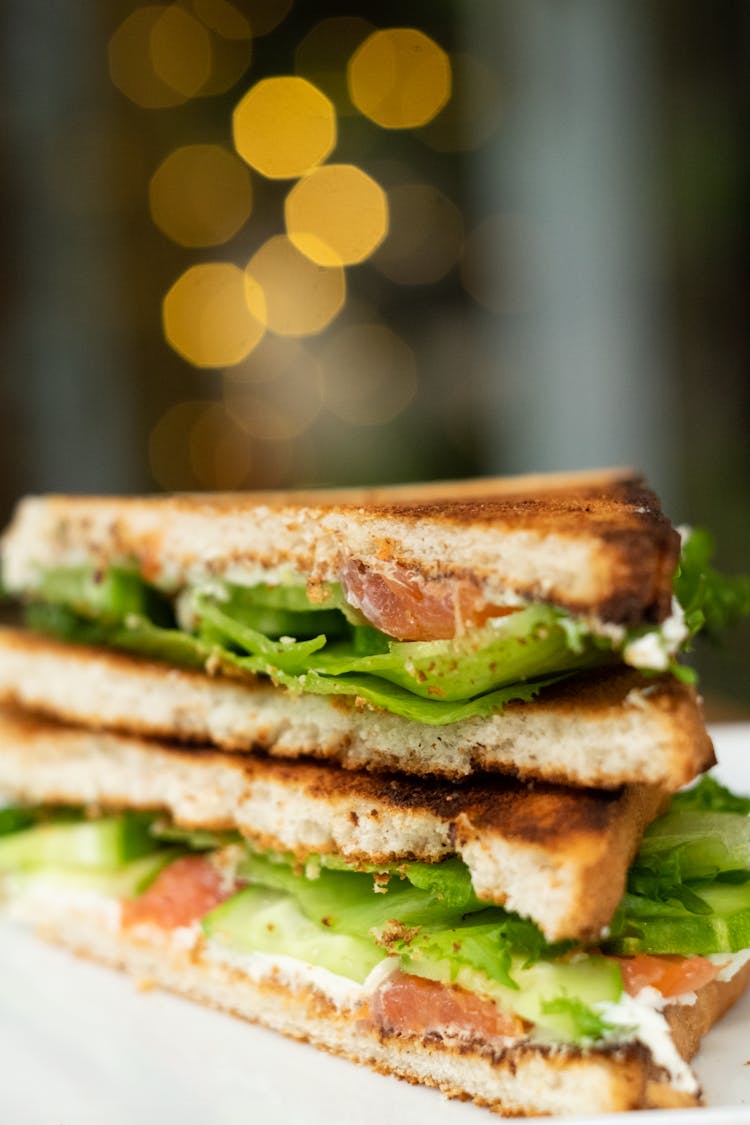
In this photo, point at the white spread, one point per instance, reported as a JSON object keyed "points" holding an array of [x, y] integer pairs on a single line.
{"points": [[639, 1017], [657, 647], [341, 991]]}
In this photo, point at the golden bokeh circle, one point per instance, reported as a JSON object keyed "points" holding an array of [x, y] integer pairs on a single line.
{"points": [[207, 319], [265, 15], [200, 195], [425, 237], [131, 66], [283, 127], [223, 18], [180, 48], [368, 374], [293, 295], [336, 215], [399, 78]]}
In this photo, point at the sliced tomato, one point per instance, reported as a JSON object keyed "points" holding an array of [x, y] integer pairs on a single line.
{"points": [[182, 893], [412, 609], [670, 975], [409, 1005]]}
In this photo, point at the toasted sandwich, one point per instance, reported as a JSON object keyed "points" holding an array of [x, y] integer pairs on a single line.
{"points": [[201, 872], [374, 769], [526, 625]]}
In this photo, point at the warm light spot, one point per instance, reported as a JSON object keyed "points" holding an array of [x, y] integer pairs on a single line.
{"points": [[223, 18], [206, 317], [284, 127], [473, 112], [425, 236], [265, 15], [197, 443], [337, 215], [221, 456], [399, 78], [180, 51], [131, 65], [369, 374], [275, 396], [294, 295], [496, 263], [324, 52], [200, 195]]}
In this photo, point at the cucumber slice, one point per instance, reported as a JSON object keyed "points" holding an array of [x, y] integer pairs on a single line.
{"points": [[107, 843], [659, 927], [127, 881], [260, 920]]}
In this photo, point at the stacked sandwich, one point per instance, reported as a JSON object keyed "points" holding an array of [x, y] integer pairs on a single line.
{"points": [[374, 769]]}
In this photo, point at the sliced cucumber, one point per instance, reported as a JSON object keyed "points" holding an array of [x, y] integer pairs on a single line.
{"points": [[102, 844], [260, 920], [658, 927], [126, 881]]}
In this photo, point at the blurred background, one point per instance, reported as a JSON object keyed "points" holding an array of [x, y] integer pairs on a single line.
{"points": [[273, 243]]}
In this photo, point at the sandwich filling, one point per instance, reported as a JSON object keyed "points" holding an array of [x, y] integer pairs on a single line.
{"points": [[431, 651], [409, 949]]}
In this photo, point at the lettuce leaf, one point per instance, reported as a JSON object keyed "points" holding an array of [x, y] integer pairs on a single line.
{"points": [[712, 601]]}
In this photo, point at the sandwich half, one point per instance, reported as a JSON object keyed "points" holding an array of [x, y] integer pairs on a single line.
{"points": [[402, 965], [525, 625]]}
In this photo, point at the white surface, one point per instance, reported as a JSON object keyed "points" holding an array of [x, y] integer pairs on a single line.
{"points": [[79, 1045]]}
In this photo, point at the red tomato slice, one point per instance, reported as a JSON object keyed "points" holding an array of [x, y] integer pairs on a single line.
{"points": [[411, 1005], [412, 609], [669, 975], [182, 893]]}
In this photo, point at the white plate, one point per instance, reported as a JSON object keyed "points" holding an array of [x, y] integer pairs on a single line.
{"points": [[80, 1045]]}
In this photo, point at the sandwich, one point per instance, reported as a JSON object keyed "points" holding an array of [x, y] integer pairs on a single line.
{"points": [[148, 858], [528, 625], [374, 769]]}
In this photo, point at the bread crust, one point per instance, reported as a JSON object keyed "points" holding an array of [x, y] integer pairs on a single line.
{"points": [[595, 543], [606, 729], [538, 850], [520, 1080]]}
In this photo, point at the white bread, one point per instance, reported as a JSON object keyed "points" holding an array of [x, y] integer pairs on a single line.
{"points": [[596, 542], [605, 729], [556, 855], [519, 1080]]}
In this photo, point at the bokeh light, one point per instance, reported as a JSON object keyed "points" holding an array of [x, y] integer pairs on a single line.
{"points": [[276, 395], [223, 18], [336, 215], [206, 317], [231, 44], [221, 456], [200, 195], [180, 50], [473, 112], [265, 15], [284, 126], [323, 53], [131, 65], [295, 296], [368, 373], [425, 237], [495, 263], [399, 78], [197, 443]]}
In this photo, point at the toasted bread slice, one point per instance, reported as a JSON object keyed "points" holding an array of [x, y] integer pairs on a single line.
{"points": [[519, 1079], [606, 729], [595, 543], [556, 855]]}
